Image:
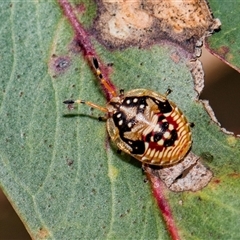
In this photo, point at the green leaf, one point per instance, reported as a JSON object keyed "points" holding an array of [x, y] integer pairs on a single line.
{"points": [[226, 43], [56, 166]]}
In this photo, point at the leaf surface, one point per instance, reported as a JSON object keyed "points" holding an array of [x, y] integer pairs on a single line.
{"points": [[58, 169], [225, 44]]}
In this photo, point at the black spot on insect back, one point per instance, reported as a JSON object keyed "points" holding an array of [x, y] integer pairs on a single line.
{"points": [[164, 126], [122, 123], [130, 102], [164, 106], [161, 117], [157, 136], [142, 105], [138, 147], [170, 142], [119, 119], [148, 137]]}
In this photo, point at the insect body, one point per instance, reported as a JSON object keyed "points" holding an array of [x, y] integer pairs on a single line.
{"points": [[149, 127], [146, 125]]}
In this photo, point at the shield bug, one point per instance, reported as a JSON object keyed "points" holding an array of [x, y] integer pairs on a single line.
{"points": [[145, 124]]}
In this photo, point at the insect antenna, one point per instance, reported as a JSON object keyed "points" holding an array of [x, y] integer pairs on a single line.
{"points": [[91, 104]]}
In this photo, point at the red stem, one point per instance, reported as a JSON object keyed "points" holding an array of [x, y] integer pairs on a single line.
{"points": [[158, 193], [85, 43], [89, 53]]}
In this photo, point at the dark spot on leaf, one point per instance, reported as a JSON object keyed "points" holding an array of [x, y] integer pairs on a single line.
{"points": [[207, 156], [110, 64], [75, 46], [69, 162], [42, 233], [60, 64], [216, 181]]}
